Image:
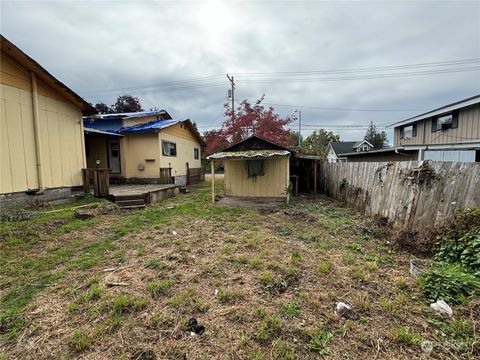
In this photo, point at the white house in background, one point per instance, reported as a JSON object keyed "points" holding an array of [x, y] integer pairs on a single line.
{"points": [[338, 148]]}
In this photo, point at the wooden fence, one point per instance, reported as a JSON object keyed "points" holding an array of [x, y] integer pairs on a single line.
{"points": [[414, 195], [195, 175]]}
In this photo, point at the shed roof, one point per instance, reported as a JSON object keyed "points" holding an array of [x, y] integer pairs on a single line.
{"points": [[249, 154], [18, 55], [254, 142]]}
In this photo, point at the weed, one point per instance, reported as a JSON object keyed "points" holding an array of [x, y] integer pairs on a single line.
{"points": [[291, 310], [157, 264], [287, 230], [355, 246], [266, 278], [256, 262], [127, 303], [189, 300], [388, 305], [370, 266], [227, 296], [324, 268], [349, 259], [319, 341], [115, 322], [401, 283], [81, 340], [296, 258], [269, 327], [357, 274], [230, 239], [157, 288], [404, 335], [283, 350]]}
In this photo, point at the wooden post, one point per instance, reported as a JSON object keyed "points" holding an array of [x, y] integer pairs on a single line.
{"points": [[315, 176], [213, 182]]}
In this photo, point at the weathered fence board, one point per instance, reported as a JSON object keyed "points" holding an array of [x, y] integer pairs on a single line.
{"points": [[415, 195]]}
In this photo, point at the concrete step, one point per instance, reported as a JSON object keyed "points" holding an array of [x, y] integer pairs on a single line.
{"points": [[132, 207], [129, 197], [130, 202]]}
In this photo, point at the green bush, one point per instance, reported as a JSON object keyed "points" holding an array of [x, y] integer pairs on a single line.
{"points": [[461, 242], [448, 282]]}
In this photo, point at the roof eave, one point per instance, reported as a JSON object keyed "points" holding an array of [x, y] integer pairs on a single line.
{"points": [[471, 101], [18, 55]]}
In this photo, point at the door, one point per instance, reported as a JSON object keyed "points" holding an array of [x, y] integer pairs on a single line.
{"points": [[113, 146]]}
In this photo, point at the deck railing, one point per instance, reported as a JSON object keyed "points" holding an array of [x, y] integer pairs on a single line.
{"points": [[166, 175], [100, 179]]}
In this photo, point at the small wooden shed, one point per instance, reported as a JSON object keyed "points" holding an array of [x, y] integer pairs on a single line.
{"points": [[254, 167]]}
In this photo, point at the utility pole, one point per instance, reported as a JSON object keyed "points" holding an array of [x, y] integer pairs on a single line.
{"points": [[232, 84], [299, 127]]}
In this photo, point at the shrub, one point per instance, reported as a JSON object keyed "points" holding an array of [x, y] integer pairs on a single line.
{"points": [[450, 283], [464, 249]]}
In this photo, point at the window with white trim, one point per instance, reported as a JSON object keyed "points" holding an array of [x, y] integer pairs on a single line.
{"points": [[169, 148]]}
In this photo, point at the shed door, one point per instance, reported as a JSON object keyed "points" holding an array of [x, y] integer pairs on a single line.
{"points": [[114, 156]]}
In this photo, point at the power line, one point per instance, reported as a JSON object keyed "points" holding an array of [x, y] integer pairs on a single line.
{"points": [[366, 69], [341, 109], [191, 81], [366, 77]]}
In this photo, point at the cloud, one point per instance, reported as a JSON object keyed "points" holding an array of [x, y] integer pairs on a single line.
{"points": [[94, 46]]}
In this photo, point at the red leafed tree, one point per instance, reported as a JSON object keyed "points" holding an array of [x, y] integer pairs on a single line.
{"points": [[249, 120]]}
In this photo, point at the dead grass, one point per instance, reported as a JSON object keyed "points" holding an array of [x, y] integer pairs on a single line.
{"points": [[264, 285]]}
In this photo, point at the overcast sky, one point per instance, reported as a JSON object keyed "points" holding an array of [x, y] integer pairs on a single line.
{"points": [[102, 49]]}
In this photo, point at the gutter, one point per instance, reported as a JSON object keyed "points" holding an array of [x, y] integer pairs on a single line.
{"points": [[36, 130]]}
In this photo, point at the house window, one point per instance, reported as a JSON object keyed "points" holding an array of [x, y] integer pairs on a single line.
{"points": [[445, 121], [364, 148], [169, 148], [196, 153], [408, 132]]}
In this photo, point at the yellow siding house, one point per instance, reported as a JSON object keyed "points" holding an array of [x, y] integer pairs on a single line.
{"points": [[41, 127], [144, 147]]}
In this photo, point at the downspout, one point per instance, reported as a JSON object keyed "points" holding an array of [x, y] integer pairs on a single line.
{"points": [[36, 130]]}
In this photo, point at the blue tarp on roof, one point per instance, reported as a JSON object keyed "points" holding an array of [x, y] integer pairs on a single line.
{"points": [[150, 126]]}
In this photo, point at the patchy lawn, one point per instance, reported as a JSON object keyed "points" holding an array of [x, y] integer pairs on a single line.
{"points": [[264, 284]]}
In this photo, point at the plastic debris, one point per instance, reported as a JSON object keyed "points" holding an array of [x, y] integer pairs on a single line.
{"points": [[195, 328], [442, 307], [342, 309], [174, 232]]}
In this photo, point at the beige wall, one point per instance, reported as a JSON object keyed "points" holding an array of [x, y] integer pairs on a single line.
{"points": [[186, 142], [273, 184], [468, 129], [60, 129], [137, 149]]}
